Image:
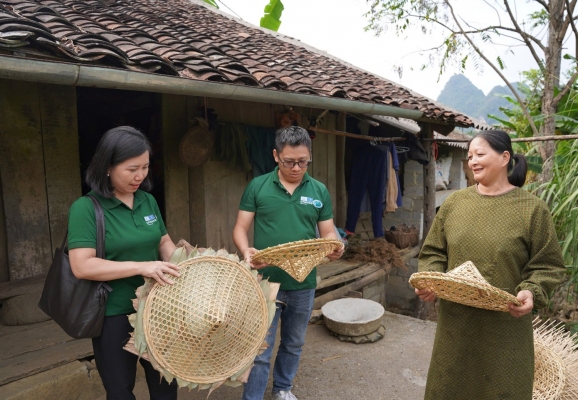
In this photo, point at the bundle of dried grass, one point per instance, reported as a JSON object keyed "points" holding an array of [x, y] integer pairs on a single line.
{"points": [[376, 251]]}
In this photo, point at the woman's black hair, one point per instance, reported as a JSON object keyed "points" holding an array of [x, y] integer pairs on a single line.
{"points": [[116, 146], [500, 142]]}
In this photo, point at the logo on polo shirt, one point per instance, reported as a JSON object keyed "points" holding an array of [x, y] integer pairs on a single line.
{"points": [[309, 200], [150, 219]]}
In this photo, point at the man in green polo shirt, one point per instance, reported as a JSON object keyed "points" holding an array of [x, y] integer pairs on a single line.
{"points": [[285, 205]]}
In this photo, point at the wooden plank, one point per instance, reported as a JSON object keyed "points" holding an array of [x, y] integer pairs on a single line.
{"points": [[45, 334], [341, 193], [331, 163], [4, 270], [21, 286], [349, 276], [342, 291], [223, 187], [176, 174], [23, 365], [61, 157], [22, 170], [197, 208], [332, 268]]}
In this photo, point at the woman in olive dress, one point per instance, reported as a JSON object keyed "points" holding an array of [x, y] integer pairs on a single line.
{"points": [[509, 235]]}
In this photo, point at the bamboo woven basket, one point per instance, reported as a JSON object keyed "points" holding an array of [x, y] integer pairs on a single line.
{"points": [[556, 362], [298, 258], [209, 324], [197, 144], [464, 285]]}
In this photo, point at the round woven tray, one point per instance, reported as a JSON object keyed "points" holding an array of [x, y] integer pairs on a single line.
{"points": [[209, 324], [196, 145], [464, 285], [298, 258]]}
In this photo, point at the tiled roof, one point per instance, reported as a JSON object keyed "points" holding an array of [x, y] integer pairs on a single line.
{"points": [[186, 39]]}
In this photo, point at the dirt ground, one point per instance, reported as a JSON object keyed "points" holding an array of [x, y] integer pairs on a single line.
{"points": [[394, 368]]}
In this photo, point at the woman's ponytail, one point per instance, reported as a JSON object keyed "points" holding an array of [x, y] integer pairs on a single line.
{"points": [[517, 170]]}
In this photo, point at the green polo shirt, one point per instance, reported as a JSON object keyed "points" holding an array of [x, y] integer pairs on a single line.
{"points": [[281, 218], [131, 235]]}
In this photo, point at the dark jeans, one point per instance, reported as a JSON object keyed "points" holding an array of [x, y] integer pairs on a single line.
{"points": [[117, 367], [294, 309]]}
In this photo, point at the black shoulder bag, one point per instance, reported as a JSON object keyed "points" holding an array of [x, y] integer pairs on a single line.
{"points": [[77, 305]]}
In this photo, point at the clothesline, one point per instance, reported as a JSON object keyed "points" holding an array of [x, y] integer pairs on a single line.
{"points": [[527, 139], [356, 136]]}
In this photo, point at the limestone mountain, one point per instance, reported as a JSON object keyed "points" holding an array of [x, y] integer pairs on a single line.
{"points": [[462, 95]]}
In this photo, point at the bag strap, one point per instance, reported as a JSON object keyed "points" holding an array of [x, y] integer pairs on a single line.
{"points": [[99, 215]]}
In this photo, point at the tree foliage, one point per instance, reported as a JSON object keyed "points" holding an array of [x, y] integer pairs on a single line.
{"points": [[466, 43]]}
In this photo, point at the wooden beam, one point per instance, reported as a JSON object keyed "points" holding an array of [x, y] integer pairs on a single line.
{"points": [[342, 291], [4, 270], [340, 211], [517, 140], [355, 136], [349, 276], [176, 174], [429, 189], [23, 179], [61, 157], [336, 267]]}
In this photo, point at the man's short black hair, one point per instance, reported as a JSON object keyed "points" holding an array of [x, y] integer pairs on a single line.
{"points": [[292, 136], [116, 146]]}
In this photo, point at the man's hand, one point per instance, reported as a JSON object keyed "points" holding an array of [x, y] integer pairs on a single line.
{"points": [[248, 254], [336, 254], [527, 299]]}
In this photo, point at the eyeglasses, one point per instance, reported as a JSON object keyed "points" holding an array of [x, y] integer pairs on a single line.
{"points": [[292, 164]]}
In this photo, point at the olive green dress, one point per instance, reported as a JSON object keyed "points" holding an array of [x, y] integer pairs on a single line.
{"points": [[480, 354]]}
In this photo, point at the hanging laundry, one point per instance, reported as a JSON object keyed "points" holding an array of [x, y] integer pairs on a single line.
{"points": [[366, 203], [260, 145], [392, 187], [367, 173], [230, 146], [395, 161]]}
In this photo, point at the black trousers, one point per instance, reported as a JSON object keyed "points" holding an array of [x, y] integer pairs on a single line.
{"points": [[117, 367]]}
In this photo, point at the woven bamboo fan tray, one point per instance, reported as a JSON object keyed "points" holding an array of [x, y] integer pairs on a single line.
{"points": [[197, 145], [464, 285], [555, 362], [298, 258], [209, 324]]}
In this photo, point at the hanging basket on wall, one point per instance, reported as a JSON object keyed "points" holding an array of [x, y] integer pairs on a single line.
{"points": [[197, 144]]}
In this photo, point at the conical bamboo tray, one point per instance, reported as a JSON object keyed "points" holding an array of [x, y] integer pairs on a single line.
{"points": [[464, 285], [206, 329], [298, 258], [209, 324]]}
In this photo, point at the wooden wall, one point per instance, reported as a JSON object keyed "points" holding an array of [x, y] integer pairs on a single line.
{"points": [[214, 189], [39, 172]]}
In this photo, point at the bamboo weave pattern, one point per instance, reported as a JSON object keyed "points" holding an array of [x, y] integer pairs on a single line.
{"points": [[464, 285], [298, 258], [556, 362], [209, 324]]}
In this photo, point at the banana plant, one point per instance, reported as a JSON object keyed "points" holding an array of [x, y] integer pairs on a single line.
{"points": [[272, 18]]}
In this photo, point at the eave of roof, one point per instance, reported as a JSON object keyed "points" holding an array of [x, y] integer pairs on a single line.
{"points": [[185, 46]]}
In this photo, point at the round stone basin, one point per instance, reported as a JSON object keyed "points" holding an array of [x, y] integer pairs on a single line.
{"points": [[352, 317]]}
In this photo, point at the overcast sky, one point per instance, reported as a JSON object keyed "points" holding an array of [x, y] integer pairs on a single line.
{"points": [[337, 27]]}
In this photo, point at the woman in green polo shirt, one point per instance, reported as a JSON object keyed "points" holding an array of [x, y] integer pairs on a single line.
{"points": [[135, 240]]}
